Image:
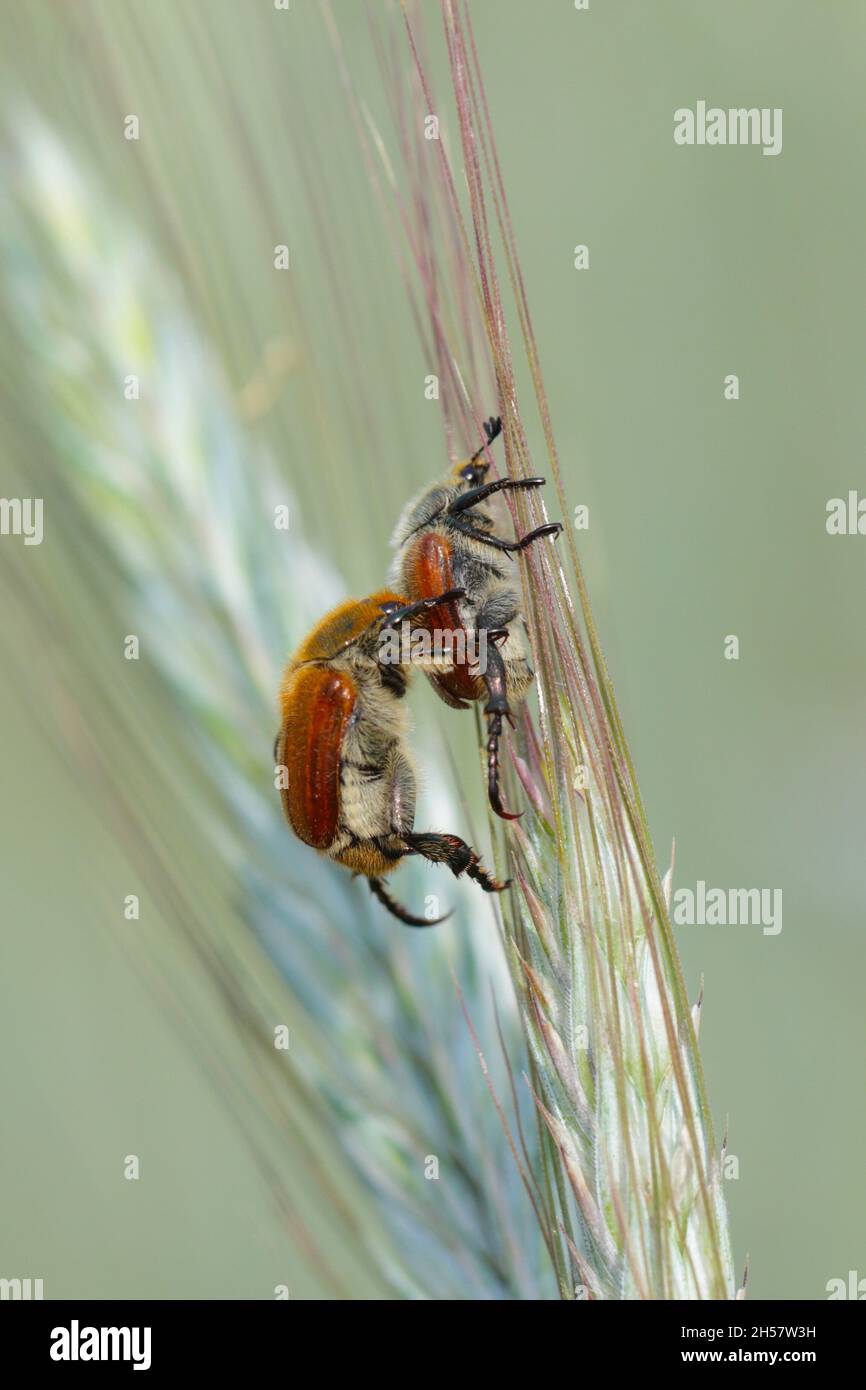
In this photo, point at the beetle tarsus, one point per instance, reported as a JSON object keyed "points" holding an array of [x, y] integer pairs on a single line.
{"points": [[457, 855], [497, 708], [552, 528], [464, 526], [494, 731], [479, 874], [484, 490], [395, 614], [378, 889]]}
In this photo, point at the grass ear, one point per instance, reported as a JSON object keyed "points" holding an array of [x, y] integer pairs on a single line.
{"points": [[628, 1193]]}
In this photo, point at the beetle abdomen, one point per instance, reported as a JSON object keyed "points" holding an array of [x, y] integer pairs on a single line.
{"points": [[316, 710]]}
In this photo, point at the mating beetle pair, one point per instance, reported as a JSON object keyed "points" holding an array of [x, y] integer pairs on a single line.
{"points": [[350, 786]]}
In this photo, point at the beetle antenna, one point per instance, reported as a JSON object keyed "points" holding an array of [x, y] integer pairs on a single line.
{"points": [[378, 889], [493, 429]]}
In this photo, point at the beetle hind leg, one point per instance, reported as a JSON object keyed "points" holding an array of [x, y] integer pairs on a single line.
{"points": [[378, 889], [496, 709], [494, 796], [459, 857]]}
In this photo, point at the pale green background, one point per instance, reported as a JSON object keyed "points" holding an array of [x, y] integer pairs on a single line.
{"points": [[707, 518]]}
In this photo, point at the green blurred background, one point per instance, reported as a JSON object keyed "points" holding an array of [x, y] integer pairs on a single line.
{"points": [[707, 518]]}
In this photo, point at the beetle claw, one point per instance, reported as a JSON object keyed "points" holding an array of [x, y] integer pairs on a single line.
{"points": [[494, 730]]}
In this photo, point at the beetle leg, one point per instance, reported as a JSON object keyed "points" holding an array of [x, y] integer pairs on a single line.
{"points": [[460, 858], [497, 706], [478, 494], [378, 889], [552, 528], [395, 615], [465, 527]]}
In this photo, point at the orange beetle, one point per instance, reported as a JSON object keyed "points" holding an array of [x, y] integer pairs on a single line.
{"points": [[445, 541], [347, 783]]}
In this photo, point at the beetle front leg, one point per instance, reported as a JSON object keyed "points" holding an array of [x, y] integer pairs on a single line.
{"points": [[395, 614], [485, 490]]}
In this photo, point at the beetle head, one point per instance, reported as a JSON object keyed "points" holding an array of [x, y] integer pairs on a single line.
{"points": [[471, 473]]}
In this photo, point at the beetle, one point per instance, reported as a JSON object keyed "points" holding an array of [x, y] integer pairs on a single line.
{"points": [[444, 540], [348, 788]]}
